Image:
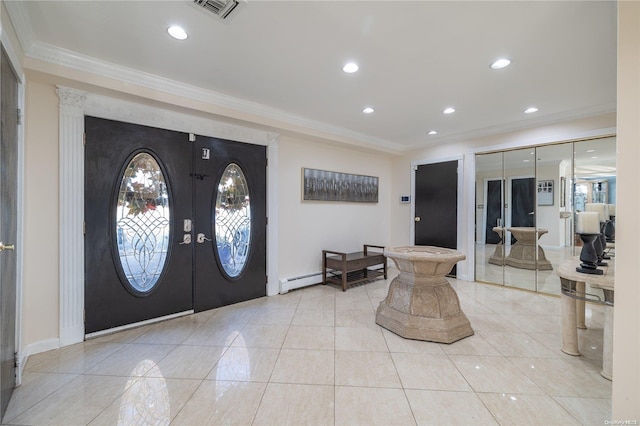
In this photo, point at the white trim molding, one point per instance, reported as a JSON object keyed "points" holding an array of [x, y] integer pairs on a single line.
{"points": [[273, 153], [71, 244]]}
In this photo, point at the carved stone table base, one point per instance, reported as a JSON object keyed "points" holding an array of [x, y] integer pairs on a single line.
{"points": [[421, 304], [523, 252]]}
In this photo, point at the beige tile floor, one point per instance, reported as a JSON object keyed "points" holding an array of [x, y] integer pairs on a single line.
{"points": [[316, 356]]}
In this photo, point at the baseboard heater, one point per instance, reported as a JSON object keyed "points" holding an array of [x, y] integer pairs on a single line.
{"points": [[287, 284]]}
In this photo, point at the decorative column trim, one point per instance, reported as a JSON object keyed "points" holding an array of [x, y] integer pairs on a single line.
{"points": [[273, 147], [71, 238]]}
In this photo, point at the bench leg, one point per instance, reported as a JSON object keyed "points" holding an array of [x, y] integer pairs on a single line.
{"points": [[344, 273], [324, 267]]}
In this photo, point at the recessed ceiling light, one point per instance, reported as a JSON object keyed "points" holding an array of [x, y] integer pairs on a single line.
{"points": [[449, 110], [594, 157], [525, 161], [177, 32], [591, 150], [530, 110], [500, 63], [432, 132], [368, 110], [350, 68]]}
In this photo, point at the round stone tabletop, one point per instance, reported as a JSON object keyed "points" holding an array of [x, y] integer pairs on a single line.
{"points": [[431, 253]]}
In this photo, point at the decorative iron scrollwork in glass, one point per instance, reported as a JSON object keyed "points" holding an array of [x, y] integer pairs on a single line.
{"points": [[142, 222], [232, 220]]}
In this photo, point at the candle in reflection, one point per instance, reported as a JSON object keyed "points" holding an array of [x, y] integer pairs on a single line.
{"points": [[588, 223], [610, 227], [588, 227], [600, 208]]}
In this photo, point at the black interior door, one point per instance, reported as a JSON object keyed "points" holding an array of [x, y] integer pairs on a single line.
{"points": [[8, 227], [436, 205], [523, 200], [494, 210], [138, 197], [230, 222]]}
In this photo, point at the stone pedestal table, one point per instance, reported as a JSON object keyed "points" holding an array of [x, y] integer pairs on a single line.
{"points": [[523, 252], [421, 304]]}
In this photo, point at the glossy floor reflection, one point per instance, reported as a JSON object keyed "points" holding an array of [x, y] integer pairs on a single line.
{"points": [[316, 356], [540, 281]]}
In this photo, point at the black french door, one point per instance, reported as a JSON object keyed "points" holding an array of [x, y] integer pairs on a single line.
{"points": [[436, 205], [150, 212], [137, 197], [230, 211]]}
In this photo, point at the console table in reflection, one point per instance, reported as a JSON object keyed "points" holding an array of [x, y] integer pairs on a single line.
{"points": [[572, 298], [523, 252]]}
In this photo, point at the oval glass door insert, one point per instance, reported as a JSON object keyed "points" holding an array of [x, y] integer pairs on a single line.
{"points": [[142, 222], [232, 220]]}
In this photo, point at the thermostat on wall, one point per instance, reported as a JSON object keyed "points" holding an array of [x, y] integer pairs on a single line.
{"points": [[405, 199]]}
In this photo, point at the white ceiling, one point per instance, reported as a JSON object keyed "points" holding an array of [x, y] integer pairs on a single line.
{"points": [[284, 59]]}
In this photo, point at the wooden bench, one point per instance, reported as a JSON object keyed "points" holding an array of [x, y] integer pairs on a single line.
{"points": [[349, 268]]}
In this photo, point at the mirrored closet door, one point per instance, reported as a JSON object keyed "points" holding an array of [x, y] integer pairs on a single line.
{"points": [[526, 201]]}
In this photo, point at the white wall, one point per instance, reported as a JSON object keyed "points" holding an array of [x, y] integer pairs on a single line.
{"points": [[40, 298], [308, 227]]}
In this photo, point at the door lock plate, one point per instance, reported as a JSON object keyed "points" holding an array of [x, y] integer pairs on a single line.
{"points": [[200, 238]]}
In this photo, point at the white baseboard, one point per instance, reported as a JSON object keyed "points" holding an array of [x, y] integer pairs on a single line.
{"points": [[34, 348]]}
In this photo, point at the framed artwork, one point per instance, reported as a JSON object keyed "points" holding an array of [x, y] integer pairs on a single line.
{"points": [[545, 192], [323, 185]]}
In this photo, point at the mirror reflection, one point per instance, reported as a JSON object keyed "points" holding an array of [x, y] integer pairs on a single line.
{"points": [[489, 218], [554, 171], [526, 202], [520, 219]]}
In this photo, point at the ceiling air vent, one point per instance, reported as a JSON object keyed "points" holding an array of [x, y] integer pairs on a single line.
{"points": [[220, 8]]}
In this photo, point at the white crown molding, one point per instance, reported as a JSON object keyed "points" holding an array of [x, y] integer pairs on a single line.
{"points": [[66, 58], [514, 126], [131, 112]]}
